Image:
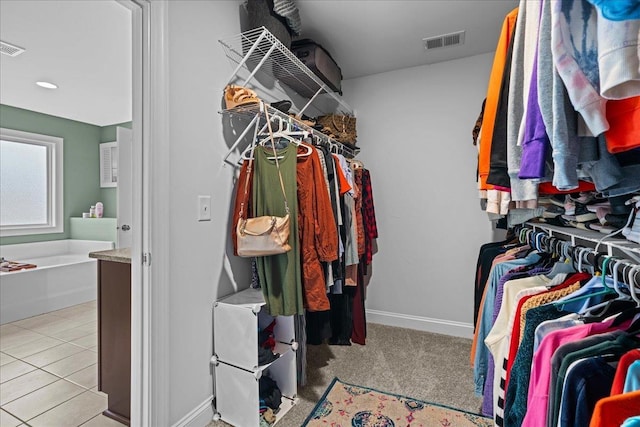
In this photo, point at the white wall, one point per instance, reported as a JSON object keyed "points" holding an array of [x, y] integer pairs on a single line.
{"points": [[414, 127], [198, 71]]}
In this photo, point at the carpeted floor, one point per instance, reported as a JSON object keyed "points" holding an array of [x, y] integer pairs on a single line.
{"points": [[425, 366]]}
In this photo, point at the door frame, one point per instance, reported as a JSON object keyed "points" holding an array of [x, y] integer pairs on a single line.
{"points": [[150, 390]]}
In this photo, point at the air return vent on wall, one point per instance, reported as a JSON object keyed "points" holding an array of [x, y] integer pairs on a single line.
{"points": [[444, 40], [9, 49]]}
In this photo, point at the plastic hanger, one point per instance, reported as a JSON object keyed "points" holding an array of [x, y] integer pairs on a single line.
{"points": [[634, 328], [246, 155], [607, 289], [622, 303], [616, 286], [522, 236], [633, 286], [581, 252]]}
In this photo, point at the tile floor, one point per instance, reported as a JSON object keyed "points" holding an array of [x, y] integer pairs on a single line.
{"points": [[49, 371]]}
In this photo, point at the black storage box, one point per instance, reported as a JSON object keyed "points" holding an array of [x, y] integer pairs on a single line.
{"points": [[320, 62]]}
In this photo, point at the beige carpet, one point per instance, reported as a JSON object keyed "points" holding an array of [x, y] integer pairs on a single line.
{"points": [[425, 366], [348, 404]]}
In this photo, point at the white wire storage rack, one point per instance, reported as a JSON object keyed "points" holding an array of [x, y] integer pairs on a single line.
{"points": [[259, 50]]}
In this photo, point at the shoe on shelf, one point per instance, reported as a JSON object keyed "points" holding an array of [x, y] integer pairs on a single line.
{"points": [[283, 105], [585, 197], [581, 214], [589, 225], [564, 201], [569, 205], [604, 229], [601, 212], [617, 221], [557, 220], [552, 211], [235, 96], [632, 231], [557, 199], [598, 204], [619, 205]]}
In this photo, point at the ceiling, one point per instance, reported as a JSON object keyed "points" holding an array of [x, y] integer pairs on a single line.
{"points": [[372, 36], [84, 46]]}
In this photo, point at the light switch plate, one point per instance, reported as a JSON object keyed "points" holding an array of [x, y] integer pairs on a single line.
{"points": [[204, 208]]}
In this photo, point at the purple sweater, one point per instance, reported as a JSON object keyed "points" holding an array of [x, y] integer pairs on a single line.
{"points": [[517, 273], [536, 141]]}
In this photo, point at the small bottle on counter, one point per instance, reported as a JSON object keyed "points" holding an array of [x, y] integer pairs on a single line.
{"points": [[92, 212], [99, 210]]}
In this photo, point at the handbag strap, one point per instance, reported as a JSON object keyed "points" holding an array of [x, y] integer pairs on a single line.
{"points": [[245, 198], [250, 165], [275, 155]]}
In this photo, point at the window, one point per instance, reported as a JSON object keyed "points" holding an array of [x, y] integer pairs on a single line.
{"points": [[30, 183]]}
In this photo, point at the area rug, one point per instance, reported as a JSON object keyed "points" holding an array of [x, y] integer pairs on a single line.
{"points": [[348, 405]]}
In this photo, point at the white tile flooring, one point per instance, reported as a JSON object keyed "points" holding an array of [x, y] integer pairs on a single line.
{"points": [[49, 371]]}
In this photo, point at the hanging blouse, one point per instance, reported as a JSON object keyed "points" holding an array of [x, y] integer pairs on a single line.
{"points": [[317, 230]]}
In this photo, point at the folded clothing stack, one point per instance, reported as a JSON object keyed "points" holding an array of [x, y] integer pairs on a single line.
{"points": [[266, 344], [270, 399]]}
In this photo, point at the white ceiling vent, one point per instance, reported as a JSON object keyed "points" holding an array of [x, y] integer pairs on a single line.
{"points": [[9, 49], [444, 40]]}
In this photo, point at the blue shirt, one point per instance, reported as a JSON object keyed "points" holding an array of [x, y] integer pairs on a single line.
{"points": [[632, 380], [480, 364]]}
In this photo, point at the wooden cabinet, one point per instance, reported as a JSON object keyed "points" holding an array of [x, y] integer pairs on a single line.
{"points": [[114, 335]]}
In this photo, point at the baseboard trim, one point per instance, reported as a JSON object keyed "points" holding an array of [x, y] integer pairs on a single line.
{"points": [[427, 324], [200, 416]]}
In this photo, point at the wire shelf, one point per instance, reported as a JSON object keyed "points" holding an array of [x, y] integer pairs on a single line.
{"points": [[259, 50], [249, 112], [628, 247]]}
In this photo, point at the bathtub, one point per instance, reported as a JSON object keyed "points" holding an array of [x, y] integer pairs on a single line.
{"points": [[64, 276]]}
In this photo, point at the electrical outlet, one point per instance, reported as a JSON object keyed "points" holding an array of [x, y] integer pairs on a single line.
{"points": [[204, 208]]}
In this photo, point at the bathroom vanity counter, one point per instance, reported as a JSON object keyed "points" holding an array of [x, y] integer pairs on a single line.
{"points": [[115, 255], [114, 331]]}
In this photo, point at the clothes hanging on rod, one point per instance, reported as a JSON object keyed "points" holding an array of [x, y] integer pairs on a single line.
{"points": [[545, 323], [308, 279], [559, 113]]}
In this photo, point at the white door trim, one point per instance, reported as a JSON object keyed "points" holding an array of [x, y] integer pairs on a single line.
{"points": [[149, 303], [157, 208]]}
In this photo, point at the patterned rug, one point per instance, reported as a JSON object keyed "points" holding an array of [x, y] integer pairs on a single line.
{"points": [[347, 405]]}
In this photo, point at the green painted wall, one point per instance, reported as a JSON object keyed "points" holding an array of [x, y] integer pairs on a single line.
{"points": [[81, 164]]}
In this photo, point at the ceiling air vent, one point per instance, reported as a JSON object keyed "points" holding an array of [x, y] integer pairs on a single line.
{"points": [[445, 40], [9, 49]]}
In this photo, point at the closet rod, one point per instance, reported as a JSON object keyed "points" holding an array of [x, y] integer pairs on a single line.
{"points": [[256, 113], [542, 241], [630, 249]]}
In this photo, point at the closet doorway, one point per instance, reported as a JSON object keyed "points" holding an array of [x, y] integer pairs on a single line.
{"points": [[136, 16]]}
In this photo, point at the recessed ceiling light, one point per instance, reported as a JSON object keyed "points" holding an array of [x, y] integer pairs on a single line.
{"points": [[47, 85]]}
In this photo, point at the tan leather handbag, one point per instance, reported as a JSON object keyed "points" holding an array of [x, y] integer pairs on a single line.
{"points": [[263, 235]]}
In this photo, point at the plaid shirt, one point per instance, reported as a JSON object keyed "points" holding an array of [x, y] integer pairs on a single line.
{"points": [[369, 216]]}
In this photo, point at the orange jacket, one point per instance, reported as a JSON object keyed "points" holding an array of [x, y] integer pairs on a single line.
{"points": [[493, 95], [612, 411]]}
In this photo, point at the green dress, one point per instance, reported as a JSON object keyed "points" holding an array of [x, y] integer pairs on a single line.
{"points": [[280, 275]]}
